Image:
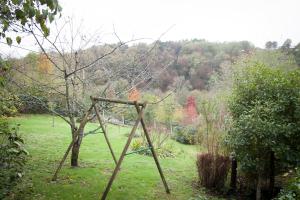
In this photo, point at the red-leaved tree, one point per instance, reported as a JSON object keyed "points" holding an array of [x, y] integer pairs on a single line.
{"points": [[190, 110]]}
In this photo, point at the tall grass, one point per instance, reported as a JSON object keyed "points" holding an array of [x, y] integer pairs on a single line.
{"points": [[212, 170]]}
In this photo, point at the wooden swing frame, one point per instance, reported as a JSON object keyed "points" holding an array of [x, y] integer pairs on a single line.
{"points": [[140, 107]]}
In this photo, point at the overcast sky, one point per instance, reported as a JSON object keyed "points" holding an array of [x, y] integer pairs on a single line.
{"points": [[215, 20], [257, 21]]}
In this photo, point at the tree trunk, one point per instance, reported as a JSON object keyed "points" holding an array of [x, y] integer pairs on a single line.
{"points": [[272, 174], [75, 154], [75, 150], [258, 186], [233, 175]]}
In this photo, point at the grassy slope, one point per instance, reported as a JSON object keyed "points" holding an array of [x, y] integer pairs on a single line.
{"points": [[138, 178]]}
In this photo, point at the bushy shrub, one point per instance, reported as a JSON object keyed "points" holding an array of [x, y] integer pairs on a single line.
{"points": [[265, 110], [140, 146], [32, 104], [292, 190], [165, 151], [12, 158], [9, 103], [212, 170], [136, 145], [185, 135]]}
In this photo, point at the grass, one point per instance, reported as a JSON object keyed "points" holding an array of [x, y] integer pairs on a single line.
{"points": [[138, 178]]}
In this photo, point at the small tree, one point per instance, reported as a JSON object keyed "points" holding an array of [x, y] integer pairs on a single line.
{"points": [[214, 165], [134, 94], [265, 108], [190, 110]]}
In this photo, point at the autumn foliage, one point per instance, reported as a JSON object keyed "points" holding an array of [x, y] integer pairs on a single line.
{"points": [[44, 64], [134, 94], [190, 110]]}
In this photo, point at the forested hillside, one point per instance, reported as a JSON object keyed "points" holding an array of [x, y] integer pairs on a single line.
{"points": [[189, 61]]}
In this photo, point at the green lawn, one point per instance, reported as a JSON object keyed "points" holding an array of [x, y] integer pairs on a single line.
{"points": [[138, 178]]}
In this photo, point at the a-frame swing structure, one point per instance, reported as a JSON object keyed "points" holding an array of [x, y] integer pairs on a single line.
{"points": [[140, 107]]}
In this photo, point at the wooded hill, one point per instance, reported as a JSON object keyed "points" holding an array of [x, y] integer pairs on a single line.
{"points": [[159, 65]]}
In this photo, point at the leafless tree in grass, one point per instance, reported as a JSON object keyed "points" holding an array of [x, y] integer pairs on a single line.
{"points": [[76, 70]]}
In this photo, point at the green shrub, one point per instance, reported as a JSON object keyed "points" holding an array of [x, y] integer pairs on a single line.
{"points": [[265, 110], [292, 190], [32, 104], [165, 151], [185, 135], [12, 158], [140, 146], [9, 103], [136, 145]]}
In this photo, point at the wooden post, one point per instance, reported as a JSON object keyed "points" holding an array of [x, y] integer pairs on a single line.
{"points": [[153, 151], [112, 178], [104, 133]]}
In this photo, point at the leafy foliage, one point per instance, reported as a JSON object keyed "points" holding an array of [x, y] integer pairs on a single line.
{"points": [[163, 151], [134, 95], [296, 53], [271, 45], [12, 157], [190, 110], [44, 65], [212, 129], [9, 103], [185, 134], [166, 111], [21, 15], [4, 71], [172, 63], [33, 104], [265, 109], [292, 190]]}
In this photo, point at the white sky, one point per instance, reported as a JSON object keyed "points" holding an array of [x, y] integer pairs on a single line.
{"points": [[257, 21]]}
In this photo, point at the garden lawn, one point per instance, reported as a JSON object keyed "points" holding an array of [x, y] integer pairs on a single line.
{"points": [[138, 178]]}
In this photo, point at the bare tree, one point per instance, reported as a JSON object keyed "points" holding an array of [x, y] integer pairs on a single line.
{"points": [[76, 69]]}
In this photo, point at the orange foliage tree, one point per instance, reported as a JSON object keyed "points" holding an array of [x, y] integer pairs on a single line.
{"points": [[134, 94], [44, 64]]}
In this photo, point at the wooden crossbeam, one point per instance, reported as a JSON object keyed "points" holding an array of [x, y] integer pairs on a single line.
{"points": [[117, 101]]}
